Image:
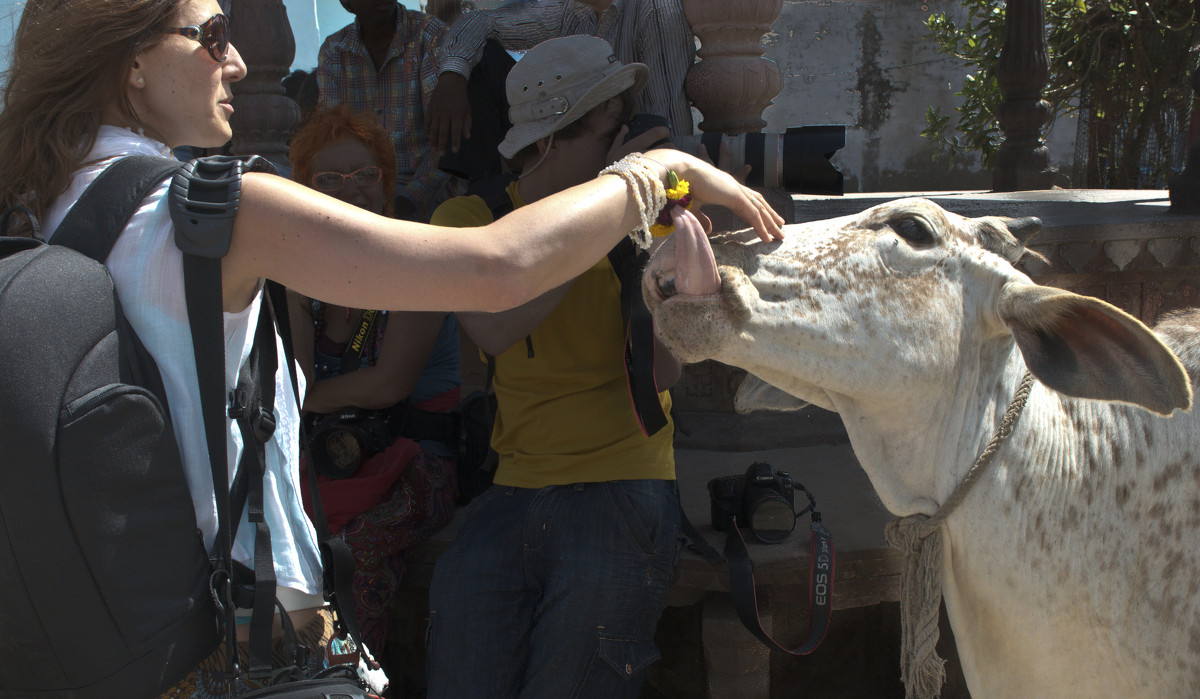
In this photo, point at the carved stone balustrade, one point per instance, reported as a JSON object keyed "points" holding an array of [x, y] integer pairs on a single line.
{"points": [[732, 83], [264, 117]]}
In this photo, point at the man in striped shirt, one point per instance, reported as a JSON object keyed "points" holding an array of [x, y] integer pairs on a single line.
{"points": [[653, 32], [384, 63]]}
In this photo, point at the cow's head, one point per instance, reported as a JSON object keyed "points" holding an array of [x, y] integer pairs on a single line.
{"points": [[903, 302]]}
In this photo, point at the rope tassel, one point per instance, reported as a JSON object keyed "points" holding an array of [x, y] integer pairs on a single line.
{"points": [[919, 539], [921, 669]]}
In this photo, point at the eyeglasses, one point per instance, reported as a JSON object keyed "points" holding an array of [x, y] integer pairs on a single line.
{"points": [[333, 181], [212, 35]]}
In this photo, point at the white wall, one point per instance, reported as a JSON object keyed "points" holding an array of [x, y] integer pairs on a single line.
{"points": [[868, 65]]}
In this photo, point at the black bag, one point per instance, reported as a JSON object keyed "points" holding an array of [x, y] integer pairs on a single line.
{"points": [[336, 682], [106, 589], [103, 574]]}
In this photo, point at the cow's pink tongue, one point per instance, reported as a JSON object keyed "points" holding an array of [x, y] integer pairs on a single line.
{"points": [[695, 267]]}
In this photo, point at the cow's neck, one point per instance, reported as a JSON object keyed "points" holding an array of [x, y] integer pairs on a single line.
{"points": [[916, 450]]}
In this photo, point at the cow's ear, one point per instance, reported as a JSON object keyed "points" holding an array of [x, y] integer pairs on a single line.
{"points": [[756, 394], [1084, 347]]}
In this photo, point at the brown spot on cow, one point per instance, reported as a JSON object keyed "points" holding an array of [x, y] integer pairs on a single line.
{"points": [[1071, 521], [1169, 474]]}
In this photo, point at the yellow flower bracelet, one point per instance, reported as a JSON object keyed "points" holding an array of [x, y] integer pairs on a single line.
{"points": [[678, 194]]}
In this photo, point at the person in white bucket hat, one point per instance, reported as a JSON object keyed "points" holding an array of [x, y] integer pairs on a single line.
{"points": [[566, 78], [556, 580]]}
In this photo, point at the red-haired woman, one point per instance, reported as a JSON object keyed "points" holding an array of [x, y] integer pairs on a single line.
{"points": [[403, 384]]}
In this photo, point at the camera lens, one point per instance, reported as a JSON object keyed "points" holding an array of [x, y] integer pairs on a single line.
{"points": [[771, 518], [339, 453], [796, 160]]}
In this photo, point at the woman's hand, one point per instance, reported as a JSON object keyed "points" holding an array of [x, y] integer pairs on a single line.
{"points": [[711, 186]]}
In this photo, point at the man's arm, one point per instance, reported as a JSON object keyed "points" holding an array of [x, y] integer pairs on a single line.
{"points": [[517, 26], [428, 185], [496, 332]]}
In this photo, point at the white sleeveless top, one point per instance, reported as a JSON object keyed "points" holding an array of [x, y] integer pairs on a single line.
{"points": [[147, 269]]}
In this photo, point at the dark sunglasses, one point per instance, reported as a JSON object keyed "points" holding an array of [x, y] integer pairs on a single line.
{"points": [[212, 35], [333, 181]]}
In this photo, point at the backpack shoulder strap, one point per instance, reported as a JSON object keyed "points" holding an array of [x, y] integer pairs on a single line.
{"points": [[205, 195], [94, 223]]}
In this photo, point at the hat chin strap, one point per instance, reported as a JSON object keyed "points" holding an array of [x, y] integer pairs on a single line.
{"points": [[541, 160]]}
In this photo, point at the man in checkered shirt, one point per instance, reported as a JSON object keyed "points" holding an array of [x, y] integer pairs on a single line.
{"points": [[384, 63]]}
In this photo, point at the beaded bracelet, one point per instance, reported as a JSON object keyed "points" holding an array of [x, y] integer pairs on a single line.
{"points": [[648, 191]]}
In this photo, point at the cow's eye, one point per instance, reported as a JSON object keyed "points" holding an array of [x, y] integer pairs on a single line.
{"points": [[914, 230]]}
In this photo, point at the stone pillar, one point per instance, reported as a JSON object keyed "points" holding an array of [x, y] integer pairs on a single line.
{"points": [[1023, 161], [263, 117], [732, 83], [737, 664], [1185, 189]]}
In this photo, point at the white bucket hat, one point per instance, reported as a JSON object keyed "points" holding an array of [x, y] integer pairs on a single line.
{"points": [[560, 80]]}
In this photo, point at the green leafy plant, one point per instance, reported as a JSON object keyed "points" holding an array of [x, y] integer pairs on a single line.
{"points": [[1122, 66]]}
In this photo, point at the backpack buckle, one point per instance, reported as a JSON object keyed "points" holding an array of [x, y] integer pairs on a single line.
{"points": [[239, 403], [263, 425], [244, 405]]}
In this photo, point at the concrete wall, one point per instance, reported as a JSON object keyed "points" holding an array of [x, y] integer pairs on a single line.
{"points": [[867, 64]]}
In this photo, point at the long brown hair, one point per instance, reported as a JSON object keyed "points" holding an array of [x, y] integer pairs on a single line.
{"points": [[70, 61], [327, 126]]}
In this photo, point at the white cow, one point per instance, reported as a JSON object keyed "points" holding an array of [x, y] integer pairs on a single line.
{"points": [[1072, 568]]}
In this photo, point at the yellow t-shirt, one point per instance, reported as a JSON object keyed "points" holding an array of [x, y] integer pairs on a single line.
{"points": [[565, 414]]}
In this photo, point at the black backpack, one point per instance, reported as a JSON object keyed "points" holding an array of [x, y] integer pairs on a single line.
{"points": [[105, 584], [103, 573]]}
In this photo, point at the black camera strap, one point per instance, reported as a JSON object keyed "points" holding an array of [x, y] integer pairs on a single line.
{"points": [[820, 586], [628, 264], [741, 579]]}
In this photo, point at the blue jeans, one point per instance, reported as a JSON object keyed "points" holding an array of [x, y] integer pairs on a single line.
{"points": [[553, 593]]}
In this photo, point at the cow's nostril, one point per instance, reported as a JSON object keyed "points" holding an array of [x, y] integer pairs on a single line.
{"points": [[666, 286]]}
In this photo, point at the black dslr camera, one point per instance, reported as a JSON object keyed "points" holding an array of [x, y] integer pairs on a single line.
{"points": [[797, 160], [762, 499], [339, 442]]}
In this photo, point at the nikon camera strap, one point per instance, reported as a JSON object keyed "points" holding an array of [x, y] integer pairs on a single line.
{"points": [[352, 357]]}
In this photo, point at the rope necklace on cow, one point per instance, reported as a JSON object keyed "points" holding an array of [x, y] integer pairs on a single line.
{"points": [[741, 575], [919, 538]]}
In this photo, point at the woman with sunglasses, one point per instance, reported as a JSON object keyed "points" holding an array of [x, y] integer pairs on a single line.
{"points": [[93, 80], [406, 377]]}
